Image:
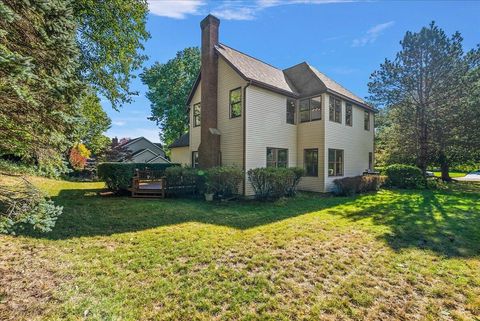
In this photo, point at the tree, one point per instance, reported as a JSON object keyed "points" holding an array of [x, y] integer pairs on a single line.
{"points": [[110, 35], [168, 87], [93, 122], [422, 90], [79, 154], [39, 86]]}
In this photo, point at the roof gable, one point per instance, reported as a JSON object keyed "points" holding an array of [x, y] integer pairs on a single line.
{"points": [[182, 141]]}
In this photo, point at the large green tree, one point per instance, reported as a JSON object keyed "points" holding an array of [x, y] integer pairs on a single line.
{"points": [[110, 38], [423, 91], [168, 87], [39, 85]]}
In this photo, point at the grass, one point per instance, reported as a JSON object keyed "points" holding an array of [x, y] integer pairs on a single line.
{"points": [[393, 255], [452, 174]]}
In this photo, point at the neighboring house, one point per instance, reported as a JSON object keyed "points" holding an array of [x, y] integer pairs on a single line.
{"points": [[180, 151], [247, 113], [141, 150]]}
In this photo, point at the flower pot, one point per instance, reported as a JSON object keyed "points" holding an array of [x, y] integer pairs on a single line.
{"points": [[209, 197]]}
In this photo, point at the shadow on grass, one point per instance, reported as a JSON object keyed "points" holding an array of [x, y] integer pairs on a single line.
{"points": [[444, 221], [87, 214]]}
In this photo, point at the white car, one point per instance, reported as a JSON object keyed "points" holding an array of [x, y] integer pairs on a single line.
{"points": [[473, 175]]}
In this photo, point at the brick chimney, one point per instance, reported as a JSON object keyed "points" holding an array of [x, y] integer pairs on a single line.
{"points": [[209, 149]]}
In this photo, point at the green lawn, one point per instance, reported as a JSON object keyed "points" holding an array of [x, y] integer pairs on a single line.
{"points": [[452, 174], [394, 255]]}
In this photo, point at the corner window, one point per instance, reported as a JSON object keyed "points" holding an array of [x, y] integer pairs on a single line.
{"points": [[335, 110], [335, 162], [366, 120], [277, 157], [311, 162], [196, 115], [348, 114], [194, 159], [235, 100], [310, 109], [291, 111]]}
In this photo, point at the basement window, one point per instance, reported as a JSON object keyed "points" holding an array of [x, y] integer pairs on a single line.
{"points": [[235, 99]]}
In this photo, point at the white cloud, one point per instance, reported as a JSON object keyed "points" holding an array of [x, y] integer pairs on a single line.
{"points": [[177, 9], [118, 122], [247, 10], [372, 34]]}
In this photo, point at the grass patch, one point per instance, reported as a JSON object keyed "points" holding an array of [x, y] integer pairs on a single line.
{"points": [[452, 174], [391, 255]]}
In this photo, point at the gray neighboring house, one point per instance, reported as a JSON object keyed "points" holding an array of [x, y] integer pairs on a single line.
{"points": [[144, 151]]}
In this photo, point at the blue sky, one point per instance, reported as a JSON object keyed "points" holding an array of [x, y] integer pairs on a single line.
{"points": [[346, 40]]}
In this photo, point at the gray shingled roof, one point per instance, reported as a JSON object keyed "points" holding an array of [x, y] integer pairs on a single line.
{"points": [[255, 70], [183, 141], [334, 86]]}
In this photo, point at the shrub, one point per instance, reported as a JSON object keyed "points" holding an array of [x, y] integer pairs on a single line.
{"points": [[349, 186], [24, 205], [181, 180], [118, 176], [224, 181], [404, 176], [273, 183]]}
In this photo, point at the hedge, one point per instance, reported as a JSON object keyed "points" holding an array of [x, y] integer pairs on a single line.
{"points": [[223, 181], [273, 183], [118, 176], [404, 176], [349, 186]]}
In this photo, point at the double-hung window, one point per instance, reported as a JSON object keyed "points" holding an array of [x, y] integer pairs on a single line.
{"points": [[366, 120], [335, 162], [235, 99], [335, 109], [348, 114], [277, 157], [311, 162], [310, 109], [291, 111], [196, 115]]}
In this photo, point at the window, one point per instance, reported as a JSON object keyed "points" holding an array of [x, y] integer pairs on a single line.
{"points": [[235, 102], [310, 109], [370, 161], [291, 111], [194, 159], [311, 162], [366, 121], [335, 162], [348, 114], [335, 110], [196, 115], [277, 157]]}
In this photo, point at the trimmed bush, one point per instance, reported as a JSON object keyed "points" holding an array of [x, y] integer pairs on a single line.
{"points": [[349, 186], [404, 176], [182, 180], [273, 183], [118, 176], [223, 181]]}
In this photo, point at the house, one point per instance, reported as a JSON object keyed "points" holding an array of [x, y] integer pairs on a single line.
{"points": [[141, 150], [180, 151], [247, 113]]}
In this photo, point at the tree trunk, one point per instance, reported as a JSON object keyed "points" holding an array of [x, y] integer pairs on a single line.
{"points": [[444, 167]]}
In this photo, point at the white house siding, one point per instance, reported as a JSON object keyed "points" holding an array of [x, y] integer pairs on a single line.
{"points": [[231, 129], [158, 160], [194, 131], [143, 157], [181, 155], [311, 135], [266, 126], [355, 141]]}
